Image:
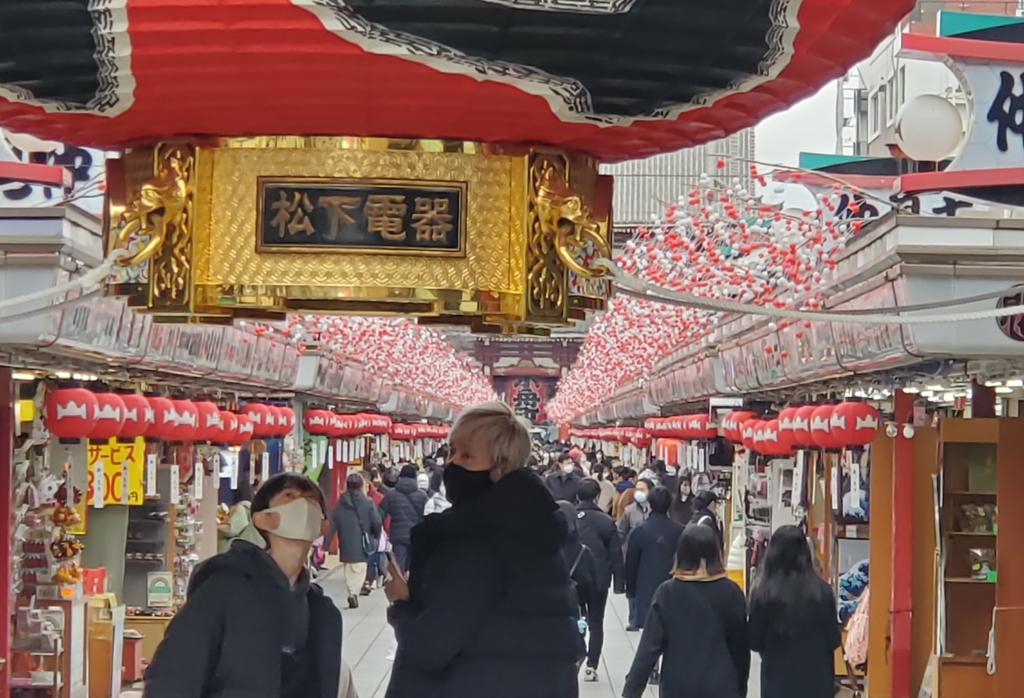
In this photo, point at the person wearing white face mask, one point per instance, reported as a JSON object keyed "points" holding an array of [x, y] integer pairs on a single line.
{"points": [[564, 483], [254, 624]]}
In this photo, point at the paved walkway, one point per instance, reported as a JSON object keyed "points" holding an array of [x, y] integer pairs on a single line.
{"points": [[368, 641]]}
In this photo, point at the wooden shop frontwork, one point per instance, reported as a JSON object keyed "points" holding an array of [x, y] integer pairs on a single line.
{"points": [[496, 238]]}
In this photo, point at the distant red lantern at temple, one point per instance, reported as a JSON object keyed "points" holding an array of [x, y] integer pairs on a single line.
{"points": [[186, 421], [802, 426], [821, 428], [164, 418], [209, 423], [317, 421], [261, 416]]}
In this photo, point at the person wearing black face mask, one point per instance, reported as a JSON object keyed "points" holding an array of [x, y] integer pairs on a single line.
{"points": [[488, 611]]}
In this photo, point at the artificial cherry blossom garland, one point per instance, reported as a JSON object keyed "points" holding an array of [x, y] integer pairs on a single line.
{"points": [[716, 242], [412, 356]]}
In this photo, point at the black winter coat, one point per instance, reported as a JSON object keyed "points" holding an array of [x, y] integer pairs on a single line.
{"points": [[564, 487], [649, 558], [599, 533], [584, 576], [491, 612], [799, 663], [705, 517], [404, 503], [353, 514], [240, 627], [700, 630]]}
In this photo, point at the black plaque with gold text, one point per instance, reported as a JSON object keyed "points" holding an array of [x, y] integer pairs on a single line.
{"points": [[367, 216]]}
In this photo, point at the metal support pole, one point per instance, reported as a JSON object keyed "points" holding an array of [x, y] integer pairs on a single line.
{"points": [[901, 605]]}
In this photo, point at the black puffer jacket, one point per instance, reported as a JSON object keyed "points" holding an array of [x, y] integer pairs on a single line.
{"points": [[243, 629], [599, 533], [404, 503], [354, 514], [491, 612]]}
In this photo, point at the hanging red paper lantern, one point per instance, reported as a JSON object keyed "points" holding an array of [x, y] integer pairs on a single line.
{"points": [[802, 427], [209, 426], [702, 426], [165, 418], [855, 423], [246, 430], [402, 432], [109, 413], [138, 416], [285, 420], [757, 440], [732, 424], [821, 428], [747, 432], [772, 444], [186, 421], [70, 412], [786, 436], [228, 428], [261, 417], [317, 422]]}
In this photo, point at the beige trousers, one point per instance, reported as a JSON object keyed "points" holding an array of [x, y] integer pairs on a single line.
{"points": [[355, 575]]}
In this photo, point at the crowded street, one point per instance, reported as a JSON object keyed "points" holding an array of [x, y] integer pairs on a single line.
{"points": [[512, 348]]}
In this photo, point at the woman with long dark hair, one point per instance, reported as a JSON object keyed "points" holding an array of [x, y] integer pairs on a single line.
{"points": [[793, 621], [698, 623]]}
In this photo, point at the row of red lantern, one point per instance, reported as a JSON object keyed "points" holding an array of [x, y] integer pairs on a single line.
{"points": [[75, 413], [326, 423], [408, 432], [639, 437], [690, 426], [831, 427]]}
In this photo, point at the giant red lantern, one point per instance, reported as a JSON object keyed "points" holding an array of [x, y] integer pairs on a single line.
{"points": [[138, 416], [802, 427], [261, 416], [70, 412], [855, 423], [821, 428], [317, 421], [186, 421], [462, 69], [109, 413], [164, 418]]}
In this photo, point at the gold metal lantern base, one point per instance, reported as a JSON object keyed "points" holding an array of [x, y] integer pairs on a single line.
{"points": [[496, 238]]}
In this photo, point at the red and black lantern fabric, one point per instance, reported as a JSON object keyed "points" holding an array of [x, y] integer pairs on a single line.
{"points": [[261, 417], [165, 418], [109, 413], [608, 78], [855, 423], [186, 421], [138, 416], [70, 412], [209, 423]]}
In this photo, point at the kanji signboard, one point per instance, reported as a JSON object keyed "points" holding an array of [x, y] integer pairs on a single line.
{"points": [[381, 216]]}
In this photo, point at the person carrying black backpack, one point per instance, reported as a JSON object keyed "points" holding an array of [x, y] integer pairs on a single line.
{"points": [[583, 572], [599, 533]]}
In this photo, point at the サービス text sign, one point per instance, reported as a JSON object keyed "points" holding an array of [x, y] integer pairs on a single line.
{"points": [[118, 458], [368, 216]]}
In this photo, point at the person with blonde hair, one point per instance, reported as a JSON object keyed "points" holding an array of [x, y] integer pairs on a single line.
{"points": [[488, 610]]}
